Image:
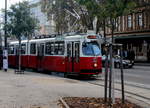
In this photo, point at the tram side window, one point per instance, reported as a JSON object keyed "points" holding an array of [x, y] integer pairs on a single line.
{"points": [[49, 48], [11, 49], [23, 48], [52, 48], [33, 48], [59, 48], [56, 49]]}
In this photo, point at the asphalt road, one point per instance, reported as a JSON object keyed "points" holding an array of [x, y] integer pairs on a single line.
{"points": [[136, 75]]}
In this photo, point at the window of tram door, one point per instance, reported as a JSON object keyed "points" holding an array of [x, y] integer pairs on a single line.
{"points": [[41, 50], [56, 49], [77, 52], [48, 48], [33, 48], [68, 50], [17, 50], [11, 49]]}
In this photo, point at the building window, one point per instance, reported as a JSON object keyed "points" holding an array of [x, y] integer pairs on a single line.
{"points": [[140, 20], [146, 1], [117, 25], [129, 21], [33, 48]]}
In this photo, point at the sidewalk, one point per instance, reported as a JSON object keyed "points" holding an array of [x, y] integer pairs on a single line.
{"points": [[33, 90], [131, 92]]}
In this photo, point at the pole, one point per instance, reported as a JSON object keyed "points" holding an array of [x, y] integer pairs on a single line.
{"points": [[106, 64], [113, 80], [5, 53], [106, 74], [19, 55], [110, 75], [122, 78], [5, 24]]}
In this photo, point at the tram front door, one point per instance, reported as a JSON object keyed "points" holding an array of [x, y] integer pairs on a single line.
{"points": [[40, 56], [73, 57]]}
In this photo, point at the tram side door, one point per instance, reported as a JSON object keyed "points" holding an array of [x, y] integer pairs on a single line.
{"points": [[40, 56], [73, 57], [17, 56]]}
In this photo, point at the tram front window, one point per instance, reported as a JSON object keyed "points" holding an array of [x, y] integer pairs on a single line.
{"points": [[91, 49]]}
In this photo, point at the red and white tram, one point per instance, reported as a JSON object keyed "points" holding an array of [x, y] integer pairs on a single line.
{"points": [[76, 54]]}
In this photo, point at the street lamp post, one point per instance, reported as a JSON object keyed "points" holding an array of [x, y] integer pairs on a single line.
{"points": [[5, 24], [5, 52]]}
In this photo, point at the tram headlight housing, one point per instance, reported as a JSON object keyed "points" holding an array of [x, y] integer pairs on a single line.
{"points": [[95, 65]]}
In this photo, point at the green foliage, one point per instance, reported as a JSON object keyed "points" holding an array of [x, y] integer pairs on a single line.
{"points": [[21, 23], [56, 8], [91, 6], [92, 9], [88, 10], [107, 9], [116, 8]]}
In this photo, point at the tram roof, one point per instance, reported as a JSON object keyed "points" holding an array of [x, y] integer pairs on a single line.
{"points": [[57, 38]]}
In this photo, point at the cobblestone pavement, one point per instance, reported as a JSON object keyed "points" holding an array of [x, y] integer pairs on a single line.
{"points": [[35, 90]]}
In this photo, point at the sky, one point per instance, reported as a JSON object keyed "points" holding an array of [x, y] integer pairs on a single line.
{"points": [[10, 2]]}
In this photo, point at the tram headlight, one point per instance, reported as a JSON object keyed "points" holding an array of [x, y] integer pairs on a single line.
{"points": [[95, 64]]}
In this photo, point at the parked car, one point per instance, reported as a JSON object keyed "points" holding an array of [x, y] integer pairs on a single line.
{"points": [[117, 64]]}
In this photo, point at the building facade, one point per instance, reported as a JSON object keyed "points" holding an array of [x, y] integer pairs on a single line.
{"points": [[46, 27], [133, 31]]}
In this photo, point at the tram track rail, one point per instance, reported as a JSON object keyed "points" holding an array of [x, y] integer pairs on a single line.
{"points": [[127, 92], [147, 87]]}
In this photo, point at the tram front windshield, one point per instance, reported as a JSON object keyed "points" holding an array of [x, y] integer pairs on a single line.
{"points": [[91, 49]]}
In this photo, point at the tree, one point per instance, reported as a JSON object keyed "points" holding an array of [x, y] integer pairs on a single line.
{"points": [[91, 9], [79, 16], [21, 23], [107, 12], [55, 10], [114, 9]]}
